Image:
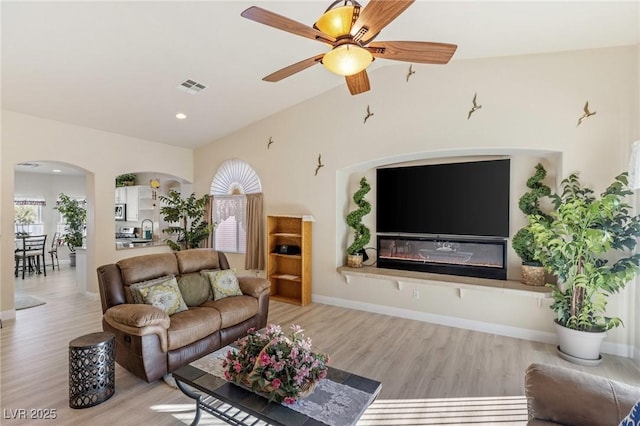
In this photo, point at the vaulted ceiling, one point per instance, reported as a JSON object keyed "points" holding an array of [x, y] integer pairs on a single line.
{"points": [[116, 66]]}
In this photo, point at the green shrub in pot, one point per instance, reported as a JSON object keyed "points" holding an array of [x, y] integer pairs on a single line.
{"points": [[529, 203], [361, 234], [75, 215], [588, 244], [187, 215], [128, 179]]}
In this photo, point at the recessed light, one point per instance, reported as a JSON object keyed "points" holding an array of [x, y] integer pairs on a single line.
{"points": [[56, 171], [181, 116]]}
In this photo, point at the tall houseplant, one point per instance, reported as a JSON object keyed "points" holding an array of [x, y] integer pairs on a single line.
{"points": [[588, 244], [523, 242], [75, 214], [188, 215], [361, 234]]}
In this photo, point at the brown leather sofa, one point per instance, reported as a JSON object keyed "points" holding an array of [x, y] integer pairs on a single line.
{"points": [[561, 396], [149, 342]]}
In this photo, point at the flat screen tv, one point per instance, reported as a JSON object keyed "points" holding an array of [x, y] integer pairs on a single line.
{"points": [[445, 199]]}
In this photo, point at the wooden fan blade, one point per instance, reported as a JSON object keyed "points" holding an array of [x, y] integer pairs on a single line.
{"points": [[283, 23], [358, 83], [292, 69], [375, 16], [422, 52]]}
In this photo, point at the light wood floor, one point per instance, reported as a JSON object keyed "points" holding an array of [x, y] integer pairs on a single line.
{"points": [[420, 365]]}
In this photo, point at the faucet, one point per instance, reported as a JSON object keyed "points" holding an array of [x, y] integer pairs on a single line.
{"points": [[142, 227]]}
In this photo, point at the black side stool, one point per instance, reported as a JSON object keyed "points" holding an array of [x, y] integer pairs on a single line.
{"points": [[91, 369]]}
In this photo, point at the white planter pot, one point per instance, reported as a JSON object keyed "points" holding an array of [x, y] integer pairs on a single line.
{"points": [[582, 347]]}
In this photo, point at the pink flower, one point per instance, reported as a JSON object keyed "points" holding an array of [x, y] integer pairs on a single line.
{"points": [[237, 366], [265, 359], [227, 376], [322, 374], [289, 400], [276, 383]]}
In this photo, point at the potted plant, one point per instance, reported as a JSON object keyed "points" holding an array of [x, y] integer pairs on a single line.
{"points": [[362, 235], [588, 244], [523, 242], [75, 216], [128, 179], [188, 214]]}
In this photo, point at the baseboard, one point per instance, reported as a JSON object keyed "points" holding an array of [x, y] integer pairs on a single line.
{"points": [[8, 315], [467, 324], [618, 349]]}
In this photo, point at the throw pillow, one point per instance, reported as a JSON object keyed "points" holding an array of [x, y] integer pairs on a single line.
{"points": [[633, 418], [136, 297], [195, 289], [164, 295], [224, 283]]}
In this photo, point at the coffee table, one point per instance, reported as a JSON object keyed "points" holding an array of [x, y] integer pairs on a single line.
{"points": [[239, 406]]}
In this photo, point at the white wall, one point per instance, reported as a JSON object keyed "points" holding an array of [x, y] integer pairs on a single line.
{"points": [[103, 156], [530, 107]]}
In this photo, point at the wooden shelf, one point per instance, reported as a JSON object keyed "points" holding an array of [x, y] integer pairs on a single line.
{"points": [[288, 277], [441, 280], [290, 274], [286, 234], [291, 300], [293, 256]]}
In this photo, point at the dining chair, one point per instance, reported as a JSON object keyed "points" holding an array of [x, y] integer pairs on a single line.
{"points": [[53, 252], [31, 251]]}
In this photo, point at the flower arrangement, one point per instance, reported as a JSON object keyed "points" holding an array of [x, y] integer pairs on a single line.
{"points": [[281, 366]]}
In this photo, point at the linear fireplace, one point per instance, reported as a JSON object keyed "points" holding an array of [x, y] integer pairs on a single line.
{"points": [[452, 255]]}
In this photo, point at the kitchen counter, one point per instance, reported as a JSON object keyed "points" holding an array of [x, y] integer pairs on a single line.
{"points": [[132, 243]]}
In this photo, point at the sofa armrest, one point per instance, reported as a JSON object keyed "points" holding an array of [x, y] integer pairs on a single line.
{"points": [[571, 397], [253, 286], [139, 320]]}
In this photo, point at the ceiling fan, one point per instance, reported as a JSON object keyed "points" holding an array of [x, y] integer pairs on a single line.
{"points": [[350, 29]]}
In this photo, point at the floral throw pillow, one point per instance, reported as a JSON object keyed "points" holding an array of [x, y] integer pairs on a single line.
{"points": [[224, 283], [633, 418], [164, 295], [134, 289]]}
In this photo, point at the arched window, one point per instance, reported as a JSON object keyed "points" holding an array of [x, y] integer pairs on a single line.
{"points": [[234, 179]]}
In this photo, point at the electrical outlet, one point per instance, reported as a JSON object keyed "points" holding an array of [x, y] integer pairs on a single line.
{"points": [[416, 294]]}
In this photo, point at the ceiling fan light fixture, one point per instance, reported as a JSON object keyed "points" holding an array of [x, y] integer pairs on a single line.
{"points": [[347, 59], [336, 22]]}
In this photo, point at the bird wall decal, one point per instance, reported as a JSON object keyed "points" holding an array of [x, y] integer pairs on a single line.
{"points": [[475, 106], [369, 114], [320, 165], [586, 114], [270, 142], [411, 72]]}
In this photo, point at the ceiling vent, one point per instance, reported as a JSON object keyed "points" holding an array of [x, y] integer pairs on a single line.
{"points": [[191, 86]]}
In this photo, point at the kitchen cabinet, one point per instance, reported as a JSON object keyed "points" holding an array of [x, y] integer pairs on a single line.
{"points": [[132, 203], [289, 262], [121, 195], [137, 198]]}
